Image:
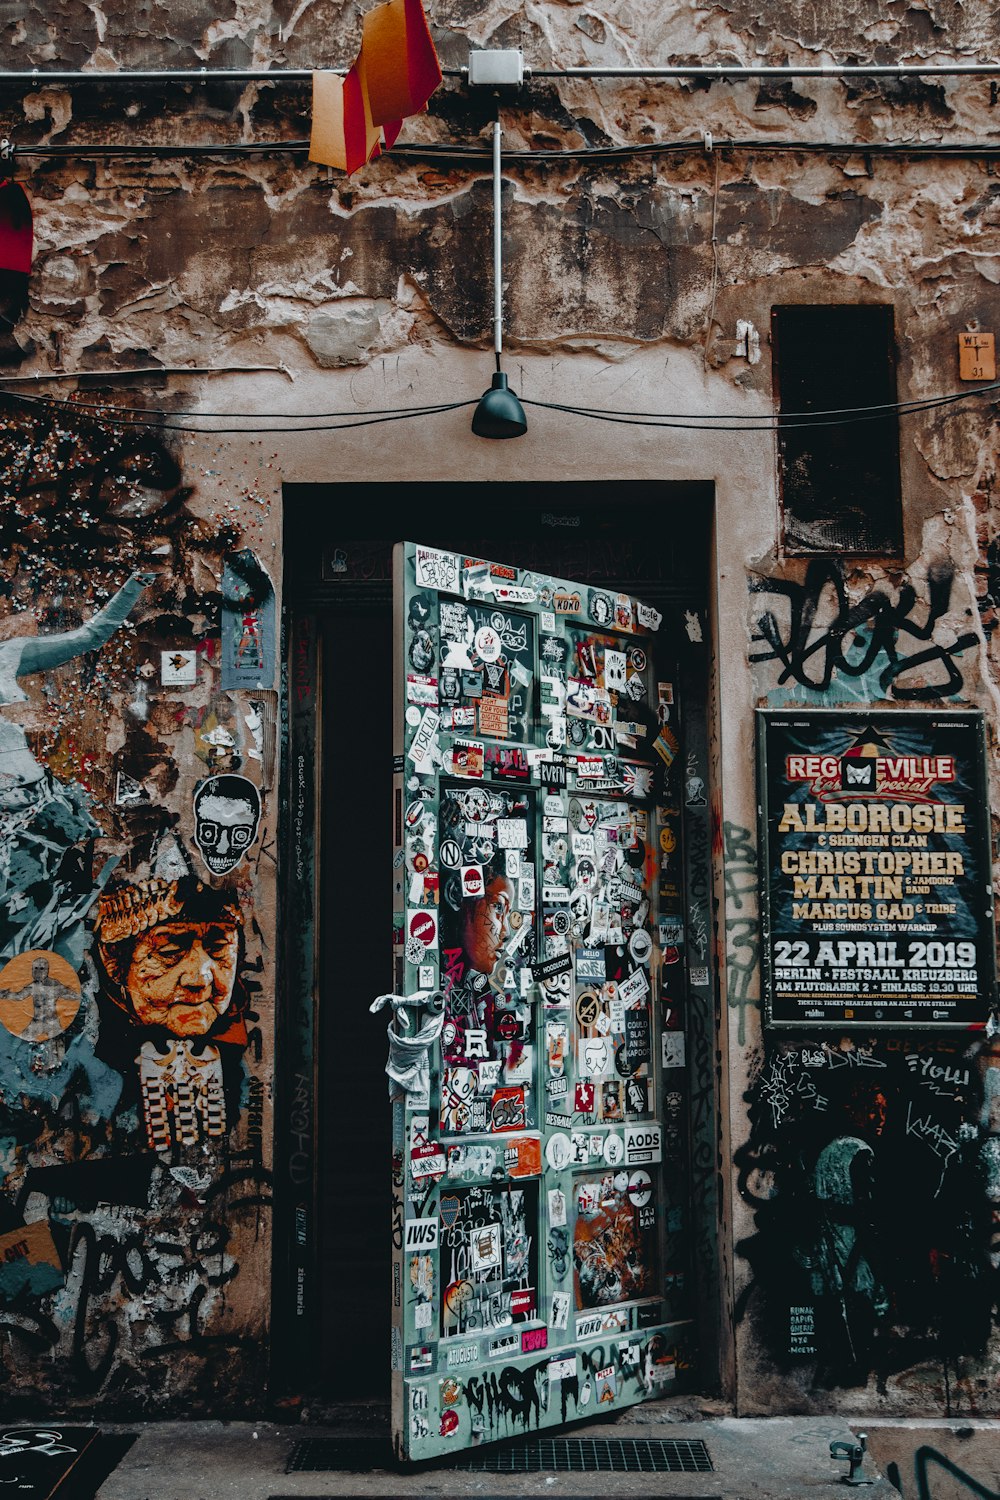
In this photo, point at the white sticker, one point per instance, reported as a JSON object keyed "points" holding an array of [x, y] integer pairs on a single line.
{"points": [[422, 1315], [514, 593], [512, 864], [634, 987], [424, 736], [178, 668], [436, 570], [557, 1208], [427, 977], [548, 622], [672, 1049], [561, 1369], [648, 616], [488, 643], [614, 671], [421, 1234], [512, 833], [558, 1151], [485, 1248], [614, 1149], [642, 1144]]}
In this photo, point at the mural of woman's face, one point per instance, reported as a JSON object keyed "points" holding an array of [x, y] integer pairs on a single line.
{"points": [[181, 975], [485, 925]]}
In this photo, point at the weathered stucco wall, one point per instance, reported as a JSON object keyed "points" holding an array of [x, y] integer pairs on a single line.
{"points": [[375, 293]]}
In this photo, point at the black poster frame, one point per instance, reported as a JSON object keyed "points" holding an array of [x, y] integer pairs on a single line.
{"points": [[855, 893]]}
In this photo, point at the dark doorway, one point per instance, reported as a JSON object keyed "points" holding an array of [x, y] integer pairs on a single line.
{"points": [[651, 540]]}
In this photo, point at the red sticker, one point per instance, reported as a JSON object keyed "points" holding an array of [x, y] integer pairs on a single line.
{"points": [[423, 926], [507, 1110], [584, 1103]]}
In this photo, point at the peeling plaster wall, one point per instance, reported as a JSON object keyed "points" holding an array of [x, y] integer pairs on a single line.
{"points": [[371, 293]]}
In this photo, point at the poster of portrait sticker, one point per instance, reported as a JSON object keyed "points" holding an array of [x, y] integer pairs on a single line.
{"points": [[876, 896]]}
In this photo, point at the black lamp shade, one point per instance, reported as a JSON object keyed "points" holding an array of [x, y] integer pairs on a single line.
{"points": [[499, 413]]}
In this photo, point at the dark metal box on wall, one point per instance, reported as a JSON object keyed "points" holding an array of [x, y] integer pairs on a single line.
{"points": [[875, 869]]}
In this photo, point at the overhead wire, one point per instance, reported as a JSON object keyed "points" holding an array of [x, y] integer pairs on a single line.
{"points": [[164, 420], [111, 415], [462, 152]]}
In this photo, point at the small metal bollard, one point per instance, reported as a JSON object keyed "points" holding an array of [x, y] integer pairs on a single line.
{"points": [[855, 1455]]}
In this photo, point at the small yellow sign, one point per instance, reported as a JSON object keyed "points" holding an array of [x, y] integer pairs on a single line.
{"points": [[977, 358]]}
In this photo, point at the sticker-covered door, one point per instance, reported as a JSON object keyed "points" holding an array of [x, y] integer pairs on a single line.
{"points": [[539, 1174]]}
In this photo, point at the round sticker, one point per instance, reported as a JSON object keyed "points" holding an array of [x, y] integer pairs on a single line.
{"points": [[420, 863], [414, 951], [488, 643], [41, 995], [640, 945], [451, 854], [560, 923], [668, 840], [614, 1149], [622, 1063], [558, 1151], [640, 1188], [423, 927], [588, 1008], [449, 1422], [413, 715]]}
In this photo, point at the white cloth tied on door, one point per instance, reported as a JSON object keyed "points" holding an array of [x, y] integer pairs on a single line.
{"points": [[408, 1066]]}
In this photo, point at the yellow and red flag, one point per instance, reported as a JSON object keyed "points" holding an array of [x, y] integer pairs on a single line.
{"points": [[393, 75], [402, 65], [15, 228]]}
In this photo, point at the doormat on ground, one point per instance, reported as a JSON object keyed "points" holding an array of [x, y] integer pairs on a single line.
{"points": [[557, 1455]]}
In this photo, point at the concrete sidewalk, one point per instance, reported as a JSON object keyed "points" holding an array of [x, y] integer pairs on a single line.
{"points": [[784, 1458]]}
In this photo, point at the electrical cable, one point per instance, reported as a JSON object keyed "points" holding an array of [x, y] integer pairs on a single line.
{"points": [[104, 415], [920, 403], [442, 151], [755, 422], [777, 422], [161, 411]]}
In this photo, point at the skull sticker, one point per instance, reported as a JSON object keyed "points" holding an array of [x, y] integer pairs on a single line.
{"points": [[227, 814]]}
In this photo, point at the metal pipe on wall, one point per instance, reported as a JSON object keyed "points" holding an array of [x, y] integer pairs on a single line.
{"points": [[721, 71]]}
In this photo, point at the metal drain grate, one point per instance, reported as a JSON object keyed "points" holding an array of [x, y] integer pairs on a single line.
{"points": [[556, 1455], [581, 1455], [353, 1455]]}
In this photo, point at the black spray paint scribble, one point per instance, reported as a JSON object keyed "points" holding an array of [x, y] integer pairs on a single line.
{"points": [[742, 925], [875, 629]]}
